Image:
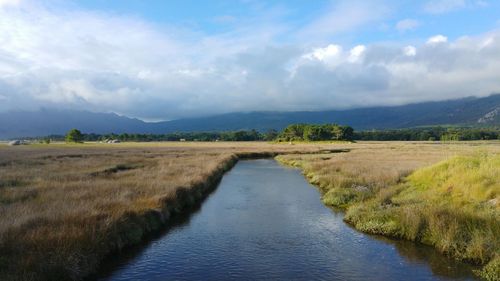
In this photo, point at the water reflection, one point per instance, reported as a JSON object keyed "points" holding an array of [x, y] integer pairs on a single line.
{"points": [[266, 222], [429, 256]]}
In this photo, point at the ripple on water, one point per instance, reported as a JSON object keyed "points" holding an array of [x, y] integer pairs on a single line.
{"points": [[265, 222]]}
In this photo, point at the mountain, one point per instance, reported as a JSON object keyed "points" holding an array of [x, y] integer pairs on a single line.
{"points": [[46, 122], [471, 111], [467, 111]]}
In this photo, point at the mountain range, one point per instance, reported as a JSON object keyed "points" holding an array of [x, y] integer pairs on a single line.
{"points": [[471, 111]]}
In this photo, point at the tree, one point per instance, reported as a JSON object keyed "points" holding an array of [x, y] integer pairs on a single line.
{"points": [[74, 135], [293, 132], [271, 135], [310, 132], [347, 133], [315, 133]]}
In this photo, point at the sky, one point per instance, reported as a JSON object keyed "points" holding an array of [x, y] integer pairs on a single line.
{"points": [[163, 60]]}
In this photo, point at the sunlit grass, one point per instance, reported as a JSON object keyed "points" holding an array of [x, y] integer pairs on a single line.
{"points": [[65, 207], [443, 195]]}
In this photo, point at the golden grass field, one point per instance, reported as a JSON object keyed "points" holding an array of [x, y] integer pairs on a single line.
{"points": [[65, 207], [452, 205]]}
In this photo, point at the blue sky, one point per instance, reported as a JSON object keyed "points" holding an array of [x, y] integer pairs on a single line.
{"points": [[453, 18], [159, 60]]}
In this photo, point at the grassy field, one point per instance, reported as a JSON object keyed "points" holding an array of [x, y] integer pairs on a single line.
{"points": [[445, 195], [65, 207]]}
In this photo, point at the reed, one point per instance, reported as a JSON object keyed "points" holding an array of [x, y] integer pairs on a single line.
{"points": [[400, 191], [67, 207], [64, 208]]}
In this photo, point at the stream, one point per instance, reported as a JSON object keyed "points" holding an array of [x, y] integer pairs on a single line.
{"points": [[266, 222]]}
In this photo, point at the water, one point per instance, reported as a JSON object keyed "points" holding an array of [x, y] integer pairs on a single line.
{"points": [[265, 222]]}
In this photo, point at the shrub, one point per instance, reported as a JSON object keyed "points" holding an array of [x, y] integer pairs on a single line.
{"points": [[74, 135]]}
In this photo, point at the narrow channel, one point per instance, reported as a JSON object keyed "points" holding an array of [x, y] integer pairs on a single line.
{"points": [[266, 222]]}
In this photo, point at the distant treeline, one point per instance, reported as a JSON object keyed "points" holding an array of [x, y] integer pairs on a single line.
{"points": [[295, 132], [430, 134], [243, 135], [309, 132]]}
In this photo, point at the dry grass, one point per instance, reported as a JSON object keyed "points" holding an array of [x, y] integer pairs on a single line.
{"points": [[65, 207], [372, 166], [452, 205]]}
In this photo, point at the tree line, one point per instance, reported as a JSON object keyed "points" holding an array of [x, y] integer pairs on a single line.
{"points": [[75, 135], [294, 132], [297, 132], [430, 134], [311, 132]]}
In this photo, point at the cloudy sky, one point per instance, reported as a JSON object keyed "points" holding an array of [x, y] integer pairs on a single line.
{"points": [[161, 60]]}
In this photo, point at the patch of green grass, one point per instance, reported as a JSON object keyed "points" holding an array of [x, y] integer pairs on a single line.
{"points": [[452, 205], [491, 271]]}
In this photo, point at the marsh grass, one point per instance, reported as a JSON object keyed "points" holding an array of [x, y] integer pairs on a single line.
{"points": [[446, 196], [66, 207], [452, 205]]}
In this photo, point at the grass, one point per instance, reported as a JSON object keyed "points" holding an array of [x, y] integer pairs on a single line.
{"points": [[66, 207], [452, 205]]}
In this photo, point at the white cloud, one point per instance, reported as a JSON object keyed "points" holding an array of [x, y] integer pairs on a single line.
{"points": [[410, 51], [344, 16], [357, 53], [443, 6], [333, 55], [327, 53], [407, 25], [103, 62], [5, 3], [489, 41], [434, 40]]}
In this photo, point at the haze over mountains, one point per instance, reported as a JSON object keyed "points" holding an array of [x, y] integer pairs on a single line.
{"points": [[470, 111]]}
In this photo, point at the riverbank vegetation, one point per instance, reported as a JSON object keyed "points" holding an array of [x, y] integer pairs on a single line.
{"points": [[452, 205], [65, 207], [395, 191]]}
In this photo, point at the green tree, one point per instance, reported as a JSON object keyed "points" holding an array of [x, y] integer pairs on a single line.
{"points": [[347, 133], [271, 135], [74, 135], [315, 133], [293, 132]]}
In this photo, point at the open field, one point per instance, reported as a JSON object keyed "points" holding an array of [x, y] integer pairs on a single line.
{"points": [[65, 207], [453, 205]]}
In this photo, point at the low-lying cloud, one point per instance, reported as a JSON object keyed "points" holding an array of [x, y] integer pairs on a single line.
{"points": [[102, 62]]}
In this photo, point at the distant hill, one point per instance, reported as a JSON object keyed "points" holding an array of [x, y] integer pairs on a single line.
{"points": [[470, 111], [46, 122], [467, 111]]}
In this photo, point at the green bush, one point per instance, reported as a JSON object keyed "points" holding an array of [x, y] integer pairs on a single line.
{"points": [[74, 135]]}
